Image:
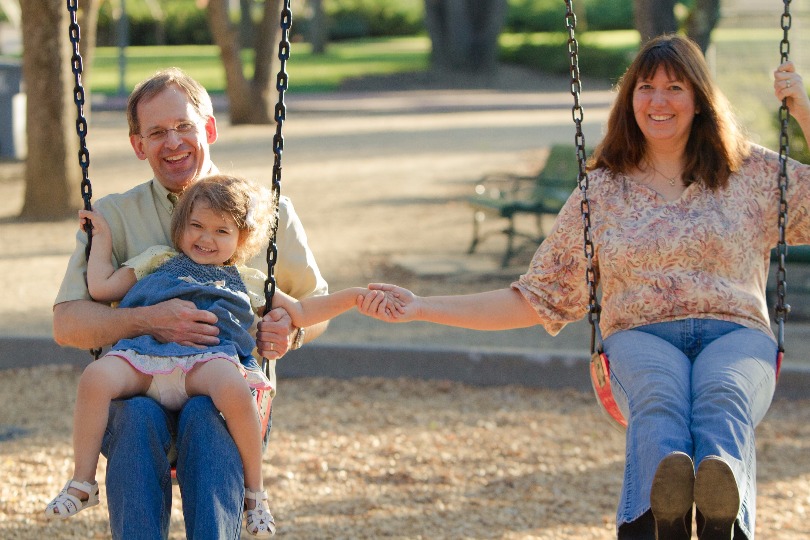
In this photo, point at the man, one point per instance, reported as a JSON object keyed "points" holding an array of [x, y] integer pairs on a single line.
{"points": [[171, 125]]}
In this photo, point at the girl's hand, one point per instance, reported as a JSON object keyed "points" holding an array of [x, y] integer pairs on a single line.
{"points": [[99, 224]]}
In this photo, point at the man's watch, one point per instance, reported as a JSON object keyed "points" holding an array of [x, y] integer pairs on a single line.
{"points": [[298, 339]]}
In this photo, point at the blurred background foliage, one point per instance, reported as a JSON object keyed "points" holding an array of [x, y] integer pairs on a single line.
{"points": [[183, 21], [534, 34]]}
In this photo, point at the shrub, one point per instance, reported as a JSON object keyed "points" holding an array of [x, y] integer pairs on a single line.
{"points": [[551, 56], [549, 15], [350, 19], [184, 24]]}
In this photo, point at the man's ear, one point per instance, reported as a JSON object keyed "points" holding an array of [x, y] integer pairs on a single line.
{"points": [[211, 130], [137, 144]]}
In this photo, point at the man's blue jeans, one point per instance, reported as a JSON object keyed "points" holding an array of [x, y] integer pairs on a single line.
{"points": [[697, 386], [139, 487]]}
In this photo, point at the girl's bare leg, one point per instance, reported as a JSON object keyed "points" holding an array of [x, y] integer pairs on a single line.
{"points": [[224, 383], [104, 380]]}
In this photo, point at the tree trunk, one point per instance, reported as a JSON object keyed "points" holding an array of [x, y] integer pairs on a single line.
{"points": [[52, 172], [88, 22], [250, 101], [701, 21], [655, 17], [318, 29], [245, 21], [464, 33]]}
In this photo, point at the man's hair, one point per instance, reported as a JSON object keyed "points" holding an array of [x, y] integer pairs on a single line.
{"points": [[716, 145], [149, 88], [247, 203]]}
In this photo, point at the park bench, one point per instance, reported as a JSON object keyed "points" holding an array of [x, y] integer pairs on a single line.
{"points": [[505, 196]]}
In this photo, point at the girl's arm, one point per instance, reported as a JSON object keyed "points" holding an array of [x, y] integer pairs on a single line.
{"points": [[316, 309], [104, 282], [502, 309]]}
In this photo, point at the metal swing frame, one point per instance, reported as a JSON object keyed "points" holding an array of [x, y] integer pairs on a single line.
{"points": [[599, 363], [263, 397]]}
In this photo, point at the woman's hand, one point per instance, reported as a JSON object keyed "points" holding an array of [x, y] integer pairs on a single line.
{"points": [[789, 85]]}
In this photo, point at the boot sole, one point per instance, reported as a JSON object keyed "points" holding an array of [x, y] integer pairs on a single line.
{"points": [[671, 497], [717, 498]]}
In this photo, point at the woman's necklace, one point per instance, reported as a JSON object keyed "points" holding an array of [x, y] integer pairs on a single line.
{"points": [[671, 180]]}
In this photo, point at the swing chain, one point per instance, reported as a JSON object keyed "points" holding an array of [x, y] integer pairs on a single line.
{"points": [[594, 309], [81, 126], [79, 99], [782, 308], [282, 81]]}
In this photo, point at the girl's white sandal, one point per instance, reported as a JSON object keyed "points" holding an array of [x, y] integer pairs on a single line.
{"points": [[66, 505], [258, 520]]}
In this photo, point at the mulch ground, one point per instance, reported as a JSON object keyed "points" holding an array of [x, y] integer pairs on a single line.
{"points": [[402, 459]]}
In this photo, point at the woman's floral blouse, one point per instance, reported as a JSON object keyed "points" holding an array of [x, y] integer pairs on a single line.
{"points": [[705, 255]]}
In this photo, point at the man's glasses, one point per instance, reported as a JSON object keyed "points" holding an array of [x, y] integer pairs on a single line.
{"points": [[182, 129]]}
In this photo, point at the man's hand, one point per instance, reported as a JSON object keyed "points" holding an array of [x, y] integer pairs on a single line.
{"points": [[273, 334], [180, 321]]}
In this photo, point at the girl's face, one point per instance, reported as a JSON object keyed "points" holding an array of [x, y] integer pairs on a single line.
{"points": [[209, 237], [664, 109]]}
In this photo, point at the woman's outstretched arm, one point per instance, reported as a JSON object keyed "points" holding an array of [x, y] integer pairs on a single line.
{"points": [[501, 309]]}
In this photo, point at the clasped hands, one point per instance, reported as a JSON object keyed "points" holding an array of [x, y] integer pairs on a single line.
{"points": [[382, 301]]}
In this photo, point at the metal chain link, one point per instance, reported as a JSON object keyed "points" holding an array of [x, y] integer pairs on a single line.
{"points": [[81, 126], [594, 309], [81, 121], [282, 81], [782, 309]]}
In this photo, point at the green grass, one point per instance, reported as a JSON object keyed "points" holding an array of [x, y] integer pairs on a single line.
{"points": [[308, 72]]}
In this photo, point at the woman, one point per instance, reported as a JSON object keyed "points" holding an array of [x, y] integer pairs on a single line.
{"points": [[683, 215]]}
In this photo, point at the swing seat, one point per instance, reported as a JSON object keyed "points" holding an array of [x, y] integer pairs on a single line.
{"points": [[600, 380]]}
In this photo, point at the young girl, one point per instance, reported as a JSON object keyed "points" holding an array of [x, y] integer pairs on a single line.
{"points": [[219, 223]]}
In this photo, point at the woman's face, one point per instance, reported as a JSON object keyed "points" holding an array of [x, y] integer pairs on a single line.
{"points": [[664, 109]]}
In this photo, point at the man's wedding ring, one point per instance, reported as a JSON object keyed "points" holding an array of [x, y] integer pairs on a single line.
{"points": [[787, 83]]}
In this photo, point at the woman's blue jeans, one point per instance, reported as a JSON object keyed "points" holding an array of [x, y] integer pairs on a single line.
{"points": [[698, 386], [139, 486]]}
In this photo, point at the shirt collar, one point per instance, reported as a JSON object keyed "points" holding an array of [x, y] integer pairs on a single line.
{"points": [[168, 199]]}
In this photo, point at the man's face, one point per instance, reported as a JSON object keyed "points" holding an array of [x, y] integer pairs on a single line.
{"points": [[174, 139]]}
